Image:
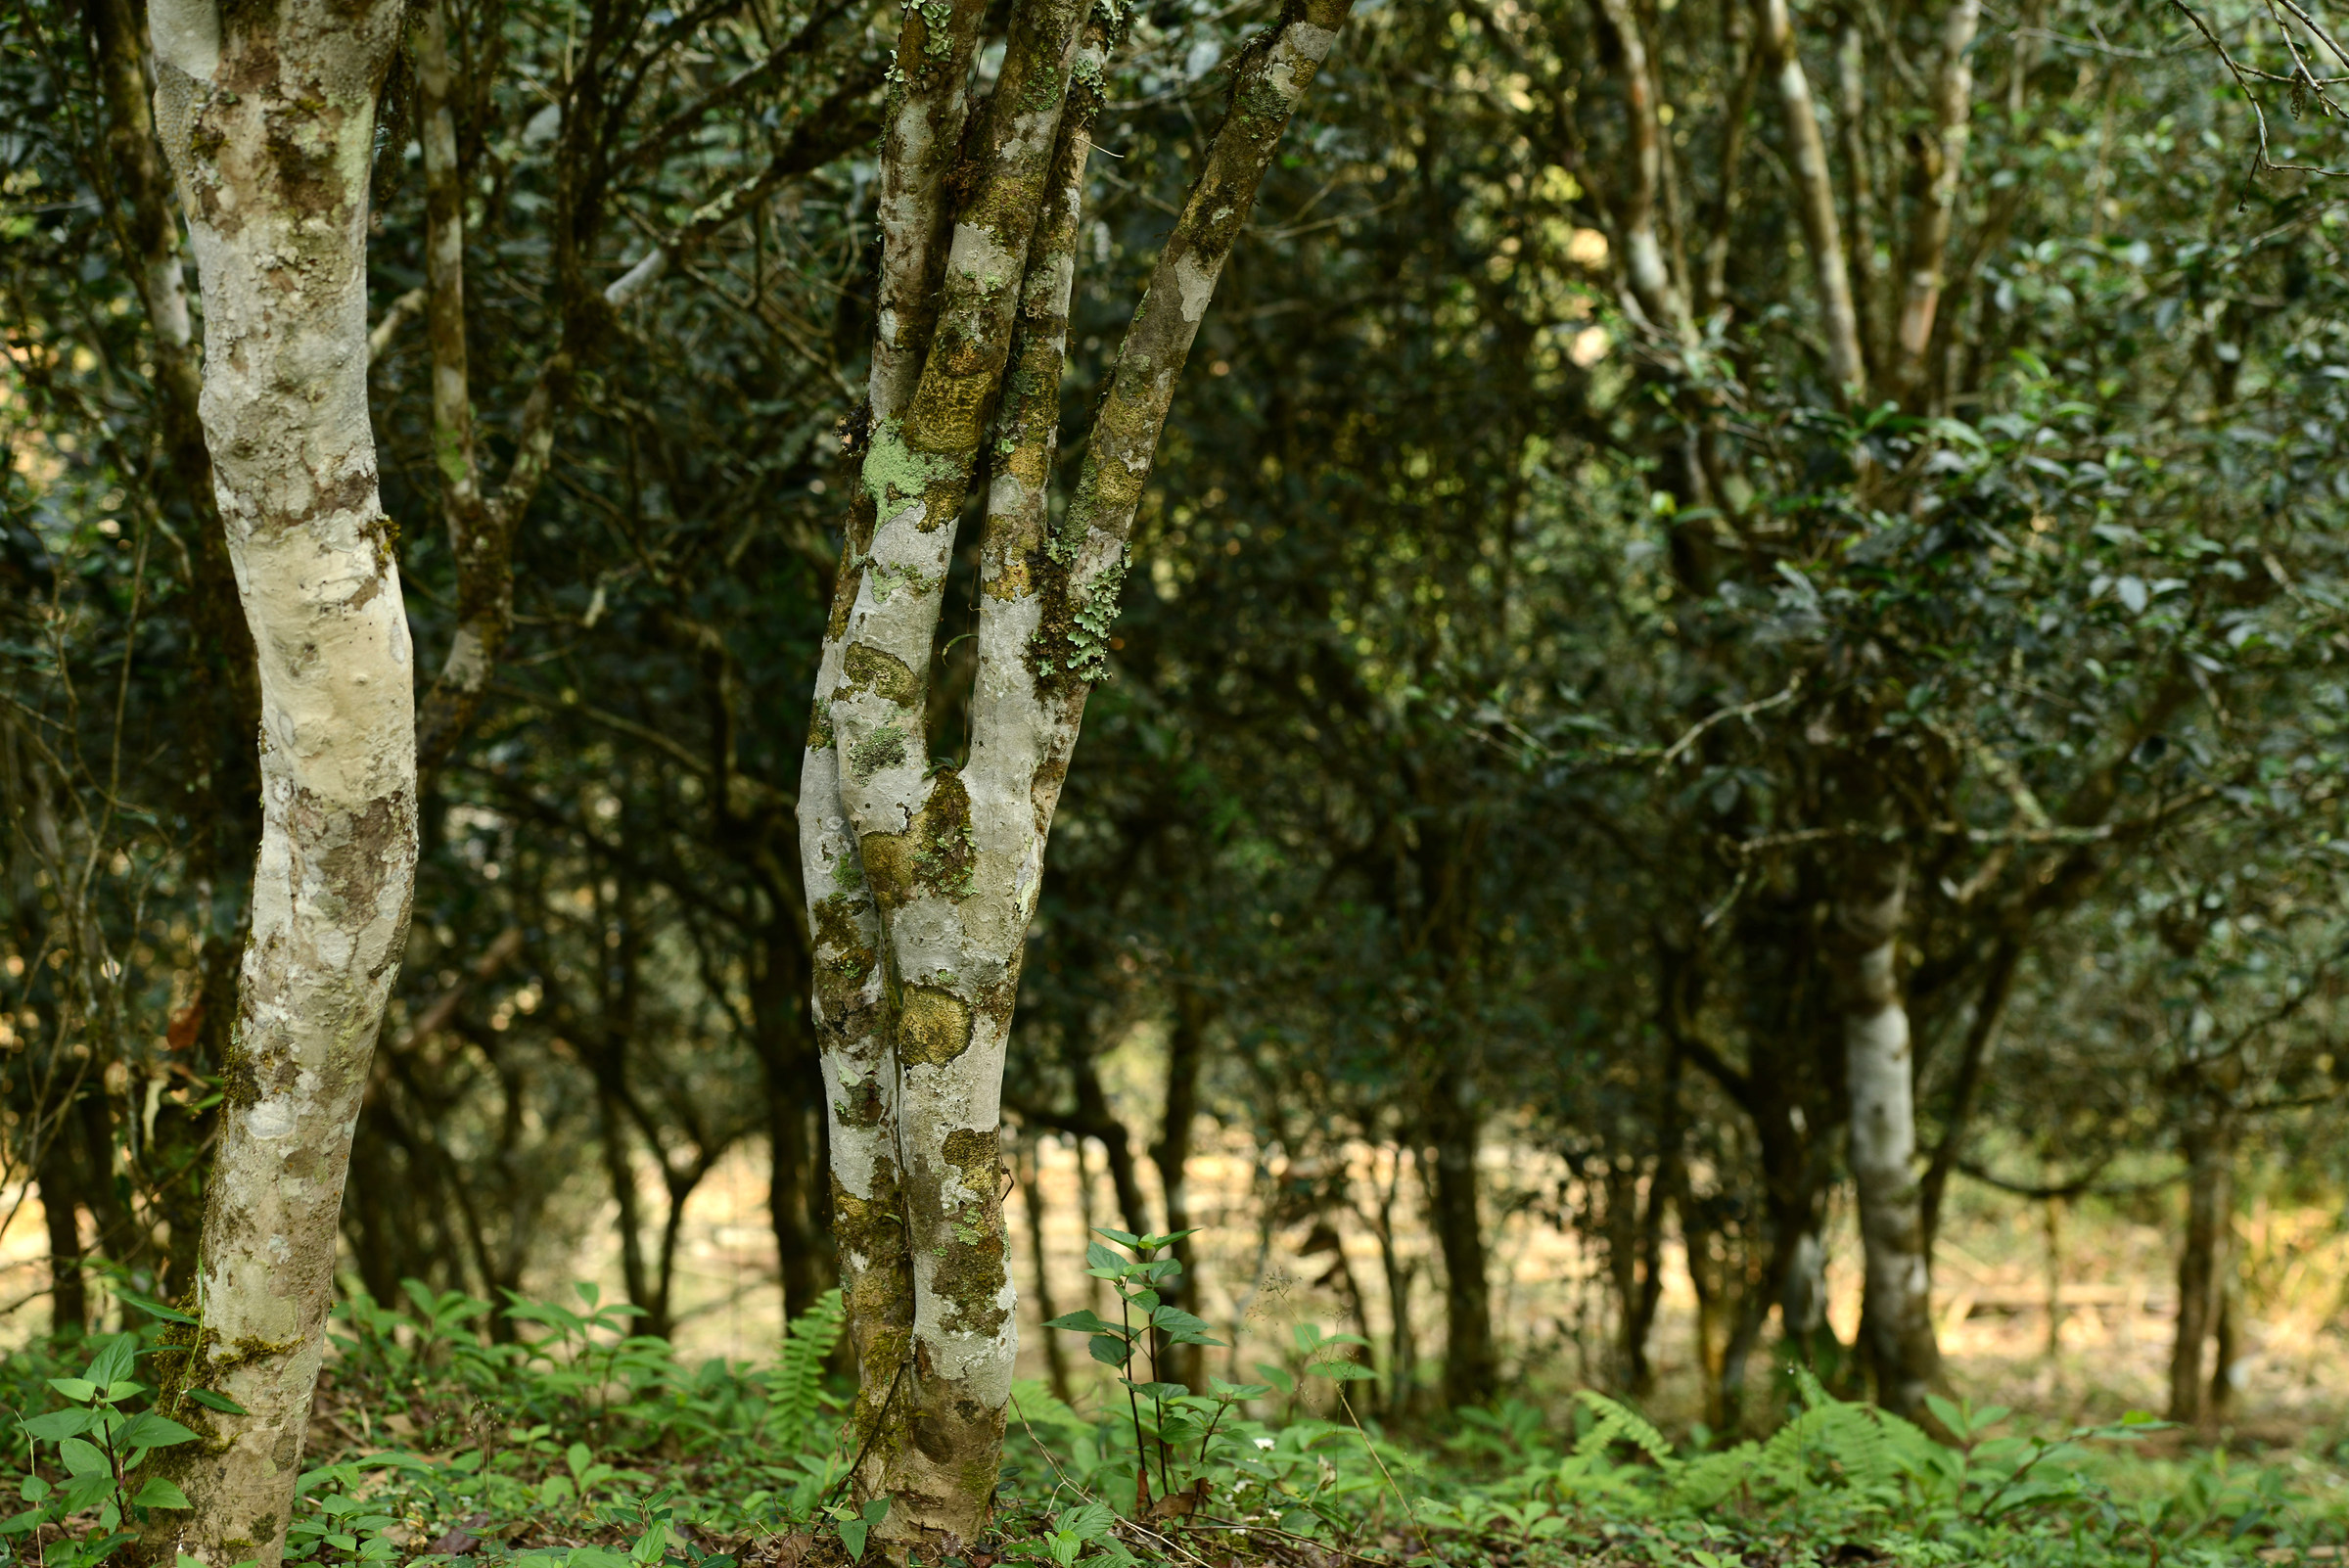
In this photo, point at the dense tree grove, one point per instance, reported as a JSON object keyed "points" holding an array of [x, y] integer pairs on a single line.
{"points": [[1746, 594]]}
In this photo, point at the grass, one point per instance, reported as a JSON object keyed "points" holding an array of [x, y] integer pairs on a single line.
{"points": [[571, 1443]]}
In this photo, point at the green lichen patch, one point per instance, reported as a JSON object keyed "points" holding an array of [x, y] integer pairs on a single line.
{"points": [[1070, 649], [845, 961], [883, 748], [969, 1274], [894, 473], [933, 1029], [878, 670], [945, 850], [887, 864]]}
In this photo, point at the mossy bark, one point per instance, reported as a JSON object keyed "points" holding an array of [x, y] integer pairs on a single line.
{"points": [[267, 114], [925, 878], [1897, 1309]]}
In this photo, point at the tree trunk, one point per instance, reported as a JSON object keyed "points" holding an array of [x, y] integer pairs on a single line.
{"points": [[227, 708], [1029, 1166], [1471, 1364], [1186, 1052], [2209, 1200], [1403, 1343], [69, 1292], [1815, 196], [269, 114], [922, 879], [1897, 1314], [794, 1081]]}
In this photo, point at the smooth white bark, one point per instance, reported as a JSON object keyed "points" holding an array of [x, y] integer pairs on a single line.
{"points": [[269, 118]]}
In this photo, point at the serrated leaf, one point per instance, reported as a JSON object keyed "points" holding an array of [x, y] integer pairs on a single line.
{"points": [[1087, 1321], [1108, 1350]]}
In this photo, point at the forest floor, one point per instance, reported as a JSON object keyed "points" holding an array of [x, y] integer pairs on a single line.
{"points": [[586, 1452]]}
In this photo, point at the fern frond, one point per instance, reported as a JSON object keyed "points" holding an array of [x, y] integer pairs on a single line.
{"points": [[1620, 1423], [796, 1384]]}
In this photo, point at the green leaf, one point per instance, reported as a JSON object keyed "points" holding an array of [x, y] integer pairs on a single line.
{"points": [[147, 1430], [80, 1390], [1085, 1322], [1343, 1371], [33, 1489], [158, 1492], [83, 1459], [1108, 1350], [1276, 1377], [1097, 1256], [216, 1402], [113, 1363], [152, 1308], [17, 1524], [1124, 1238]]}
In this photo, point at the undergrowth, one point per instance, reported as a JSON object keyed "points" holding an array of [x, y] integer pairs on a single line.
{"points": [[538, 1435]]}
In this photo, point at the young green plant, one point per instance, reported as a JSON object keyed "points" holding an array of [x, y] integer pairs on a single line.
{"points": [[1146, 1320]]}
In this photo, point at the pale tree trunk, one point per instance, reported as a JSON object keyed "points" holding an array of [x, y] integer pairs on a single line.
{"points": [[1897, 1313], [2202, 1262], [859, 1068], [1647, 268], [921, 882], [268, 114], [226, 699], [1815, 199], [1940, 162]]}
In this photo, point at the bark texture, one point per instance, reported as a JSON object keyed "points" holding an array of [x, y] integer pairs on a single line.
{"points": [[267, 113], [1897, 1311], [1939, 156], [921, 881], [1815, 192], [481, 525]]}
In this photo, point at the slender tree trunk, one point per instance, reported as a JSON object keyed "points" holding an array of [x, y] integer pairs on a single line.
{"points": [[1403, 1343], [1898, 1308], [2224, 1346], [1471, 1363], [1027, 1163], [69, 1292], [2209, 1201], [226, 710], [1815, 196], [620, 1175], [1940, 165], [1186, 1052], [269, 114], [793, 1076]]}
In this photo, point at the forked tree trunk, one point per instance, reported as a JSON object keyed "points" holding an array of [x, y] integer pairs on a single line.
{"points": [[267, 112], [2209, 1200], [921, 881], [1897, 1313]]}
